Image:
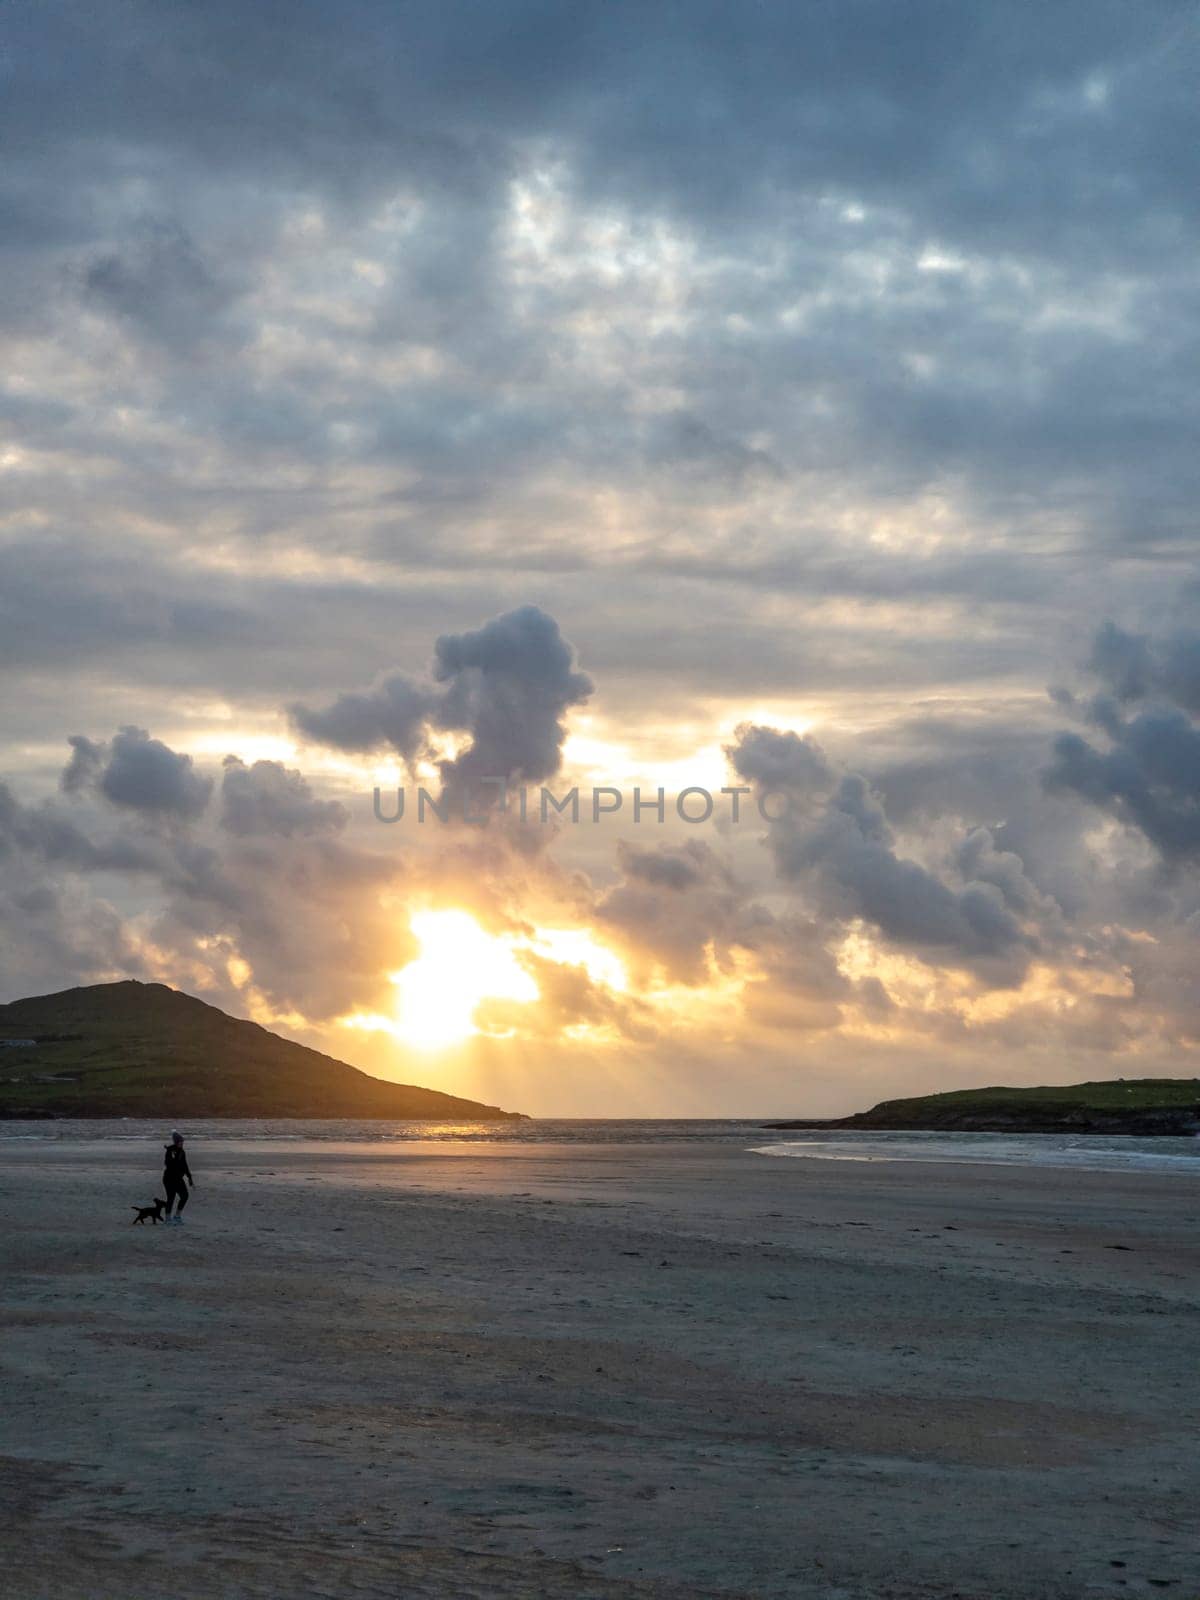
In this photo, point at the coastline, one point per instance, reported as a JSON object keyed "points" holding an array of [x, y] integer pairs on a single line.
{"points": [[623, 1370]]}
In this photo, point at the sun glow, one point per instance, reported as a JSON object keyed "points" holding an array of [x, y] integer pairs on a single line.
{"points": [[575, 947], [460, 966]]}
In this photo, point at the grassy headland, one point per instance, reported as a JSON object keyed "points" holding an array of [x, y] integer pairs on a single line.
{"points": [[143, 1050], [1135, 1106]]}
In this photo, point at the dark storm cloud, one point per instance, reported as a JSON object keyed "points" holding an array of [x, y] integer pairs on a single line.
{"points": [[269, 798], [977, 775], [391, 715], [1135, 666], [65, 602], [706, 106], [1148, 776], [139, 772], [852, 846], [46, 835], [979, 861], [835, 837], [775, 760], [982, 768], [679, 868], [159, 283], [508, 685], [39, 831]]}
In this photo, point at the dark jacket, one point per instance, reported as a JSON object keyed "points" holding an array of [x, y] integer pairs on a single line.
{"points": [[175, 1167]]}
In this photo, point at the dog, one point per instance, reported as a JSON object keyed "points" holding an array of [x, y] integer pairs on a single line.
{"points": [[154, 1212]]}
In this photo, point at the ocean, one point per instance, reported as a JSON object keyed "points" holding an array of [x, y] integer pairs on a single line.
{"points": [[1097, 1153], [1087, 1152]]}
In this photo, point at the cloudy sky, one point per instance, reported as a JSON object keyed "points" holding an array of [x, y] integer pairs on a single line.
{"points": [[793, 397]]}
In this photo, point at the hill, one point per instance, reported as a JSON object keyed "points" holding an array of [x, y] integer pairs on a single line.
{"points": [[1137, 1106], [143, 1050]]}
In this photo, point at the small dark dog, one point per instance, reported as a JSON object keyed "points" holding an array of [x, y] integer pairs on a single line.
{"points": [[154, 1212]]}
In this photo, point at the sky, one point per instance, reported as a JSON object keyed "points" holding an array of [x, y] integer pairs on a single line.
{"points": [[791, 398]]}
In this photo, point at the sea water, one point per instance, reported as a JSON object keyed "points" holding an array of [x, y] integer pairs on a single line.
{"points": [[1091, 1152], [1095, 1152]]}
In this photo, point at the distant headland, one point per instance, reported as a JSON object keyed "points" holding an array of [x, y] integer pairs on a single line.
{"points": [[135, 1049], [1141, 1106]]}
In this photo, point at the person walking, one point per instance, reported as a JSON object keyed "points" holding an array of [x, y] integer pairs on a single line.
{"points": [[176, 1177]]}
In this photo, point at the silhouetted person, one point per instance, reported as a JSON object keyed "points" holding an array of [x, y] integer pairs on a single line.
{"points": [[176, 1177]]}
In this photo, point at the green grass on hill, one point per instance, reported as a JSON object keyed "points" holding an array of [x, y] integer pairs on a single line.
{"points": [[141, 1049], [1134, 1094]]}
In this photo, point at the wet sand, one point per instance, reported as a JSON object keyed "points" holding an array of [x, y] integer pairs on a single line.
{"points": [[618, 1371]]}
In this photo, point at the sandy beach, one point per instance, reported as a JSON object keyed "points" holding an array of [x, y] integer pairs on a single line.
{"points": [[493, 1370]]}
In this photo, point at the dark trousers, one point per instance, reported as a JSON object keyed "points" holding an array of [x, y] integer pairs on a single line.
{"points": [[176, 1190]]}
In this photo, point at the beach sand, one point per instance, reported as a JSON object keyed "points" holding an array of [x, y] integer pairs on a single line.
{"points": [[611, 1371]]}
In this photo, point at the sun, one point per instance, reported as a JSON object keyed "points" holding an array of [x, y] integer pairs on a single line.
{"points": [[458, 968]]}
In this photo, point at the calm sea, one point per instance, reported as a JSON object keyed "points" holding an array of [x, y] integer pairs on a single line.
{"points": [[1091, 1152], [1096, 1153]]}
